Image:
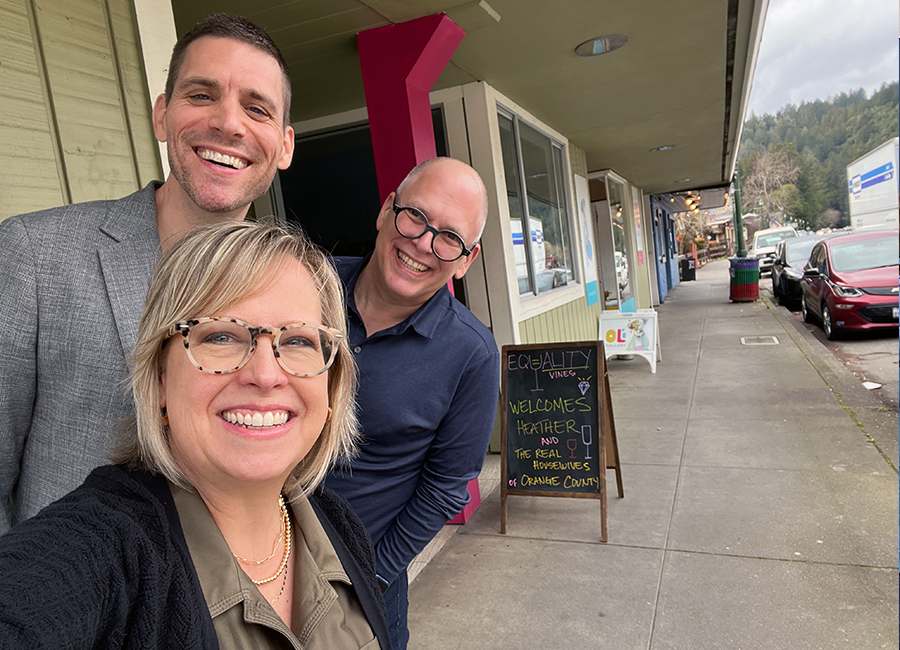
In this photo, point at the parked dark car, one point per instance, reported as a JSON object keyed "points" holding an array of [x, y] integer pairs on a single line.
{"points": [[851, 282], [791, 256]]}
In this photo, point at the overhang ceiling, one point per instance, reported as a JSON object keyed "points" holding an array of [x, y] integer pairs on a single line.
{"points": [[682, 80]]}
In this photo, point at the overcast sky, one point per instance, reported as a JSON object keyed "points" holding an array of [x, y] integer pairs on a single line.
{"points": [[814, 49]]}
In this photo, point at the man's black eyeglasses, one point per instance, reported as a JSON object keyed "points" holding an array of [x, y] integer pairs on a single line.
{"points": [[412, 223]]}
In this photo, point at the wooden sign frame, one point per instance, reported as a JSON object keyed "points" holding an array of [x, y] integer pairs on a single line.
{"points": [[607, 445]]}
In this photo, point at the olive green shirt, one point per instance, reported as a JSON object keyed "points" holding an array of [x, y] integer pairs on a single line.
{"points": [[325, 609]]}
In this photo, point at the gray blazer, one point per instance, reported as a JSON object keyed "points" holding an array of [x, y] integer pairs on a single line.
{"points": [[72, 286]]}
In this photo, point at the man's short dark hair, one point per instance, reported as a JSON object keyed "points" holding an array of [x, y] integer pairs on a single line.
{"points": [[222, 25]]}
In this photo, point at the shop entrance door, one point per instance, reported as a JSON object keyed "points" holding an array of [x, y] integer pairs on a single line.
{"points": [[331, 189]]}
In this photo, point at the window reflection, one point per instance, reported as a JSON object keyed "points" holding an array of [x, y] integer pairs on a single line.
{"points": [[543, 255], [616, 208], [521, 252]]}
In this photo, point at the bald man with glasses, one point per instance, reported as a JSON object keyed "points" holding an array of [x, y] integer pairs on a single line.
{"points": [[429, 371]]}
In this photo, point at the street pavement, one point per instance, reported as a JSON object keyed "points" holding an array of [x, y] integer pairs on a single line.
{"points": [[872, 356], [760, 508]]}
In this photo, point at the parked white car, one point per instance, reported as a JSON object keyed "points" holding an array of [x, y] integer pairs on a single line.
{"points": [[764, 243]]}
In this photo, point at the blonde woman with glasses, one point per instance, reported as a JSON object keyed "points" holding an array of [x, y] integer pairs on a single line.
{"points": [[211, 530]]}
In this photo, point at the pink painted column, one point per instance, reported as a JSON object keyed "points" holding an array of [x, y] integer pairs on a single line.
{"points": [[400, 64]]}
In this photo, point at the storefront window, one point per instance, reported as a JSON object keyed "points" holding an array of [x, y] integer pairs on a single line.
{"points": [[617, 214], [521, 252], [533, 167]]}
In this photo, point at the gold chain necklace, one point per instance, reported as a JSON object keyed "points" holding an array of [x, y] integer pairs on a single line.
{"points": [[280, 591], [286, 527]]}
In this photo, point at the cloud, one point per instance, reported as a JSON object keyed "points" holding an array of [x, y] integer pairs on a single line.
{"points": [[815, 49]]}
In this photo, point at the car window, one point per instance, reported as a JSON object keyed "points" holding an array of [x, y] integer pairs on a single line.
{"points": [[797, 252], [773, 238], [815, 257], [864, 254]]}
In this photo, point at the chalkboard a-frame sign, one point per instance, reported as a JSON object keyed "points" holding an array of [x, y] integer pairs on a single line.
{"points": [[557, 427]]}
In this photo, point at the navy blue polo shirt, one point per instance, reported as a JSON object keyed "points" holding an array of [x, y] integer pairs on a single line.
{"points": [[428, 390]]}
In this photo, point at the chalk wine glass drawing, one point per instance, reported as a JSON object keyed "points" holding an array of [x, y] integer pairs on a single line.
{"points": [[586, 438], [537, 383]]}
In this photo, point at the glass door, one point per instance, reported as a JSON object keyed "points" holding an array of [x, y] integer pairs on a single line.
{"points": [[619, 211]]}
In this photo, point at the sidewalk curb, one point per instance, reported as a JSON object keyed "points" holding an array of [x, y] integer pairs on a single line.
{"points": [[876, 421]]}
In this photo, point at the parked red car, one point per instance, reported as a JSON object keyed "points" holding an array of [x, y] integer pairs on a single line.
{"points": [[851, 282], [791, 255]]}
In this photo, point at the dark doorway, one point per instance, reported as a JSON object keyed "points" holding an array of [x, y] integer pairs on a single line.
{"points": [[331, 189]]}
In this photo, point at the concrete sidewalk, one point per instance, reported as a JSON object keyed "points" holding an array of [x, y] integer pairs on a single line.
{"points": [[760, 512]]}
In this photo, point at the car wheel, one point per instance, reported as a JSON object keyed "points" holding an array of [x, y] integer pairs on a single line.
{"points": [[804, 309], [831, 330]]}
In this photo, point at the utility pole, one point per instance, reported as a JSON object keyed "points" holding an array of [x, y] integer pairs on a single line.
{"points": [[741, 250]]}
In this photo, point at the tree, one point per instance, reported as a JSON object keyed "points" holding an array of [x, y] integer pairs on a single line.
{"points": [[769, 172], [829, 219], [788, 201], [813, 195], [821, 138], [689, 226]]}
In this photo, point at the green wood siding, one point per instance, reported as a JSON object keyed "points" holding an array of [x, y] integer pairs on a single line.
{"points": [[29, 178], [138, 106], [76, 117], [574, 321]]}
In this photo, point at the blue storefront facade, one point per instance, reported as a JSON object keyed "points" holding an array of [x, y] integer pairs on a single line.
{"points": [[665, 247]]}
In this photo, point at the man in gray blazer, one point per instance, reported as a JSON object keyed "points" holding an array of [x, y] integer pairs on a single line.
{"points": [[73, 279]]}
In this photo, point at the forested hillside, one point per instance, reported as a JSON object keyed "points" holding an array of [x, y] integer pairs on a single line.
{"points": [[795, 162]]}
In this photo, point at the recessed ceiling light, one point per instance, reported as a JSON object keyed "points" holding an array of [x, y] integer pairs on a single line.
{"points": [[664, 147], [601, 45]]}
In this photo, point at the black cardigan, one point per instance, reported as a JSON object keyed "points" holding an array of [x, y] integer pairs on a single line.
{"points": [[107, 567]]}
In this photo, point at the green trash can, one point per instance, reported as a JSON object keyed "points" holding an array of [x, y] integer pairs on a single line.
{"points": [[744, 279]]}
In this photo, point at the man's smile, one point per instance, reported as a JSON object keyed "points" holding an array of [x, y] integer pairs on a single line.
{"points": [[410, 263], [222, 159]]}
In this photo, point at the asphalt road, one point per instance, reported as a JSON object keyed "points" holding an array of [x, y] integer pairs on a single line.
{"points": [[870, 356]]}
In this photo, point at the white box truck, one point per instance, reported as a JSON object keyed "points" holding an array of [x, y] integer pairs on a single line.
{"points": [[872, 183]]}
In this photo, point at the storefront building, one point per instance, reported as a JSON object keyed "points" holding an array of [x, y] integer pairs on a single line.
{"points": [[561, 141]]}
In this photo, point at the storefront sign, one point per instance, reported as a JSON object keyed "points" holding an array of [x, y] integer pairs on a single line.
{"points": [[589, 261], [638, 231], [631, 333]]}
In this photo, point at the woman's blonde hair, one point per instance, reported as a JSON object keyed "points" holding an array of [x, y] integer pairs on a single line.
{"points": [[207, 271]]}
